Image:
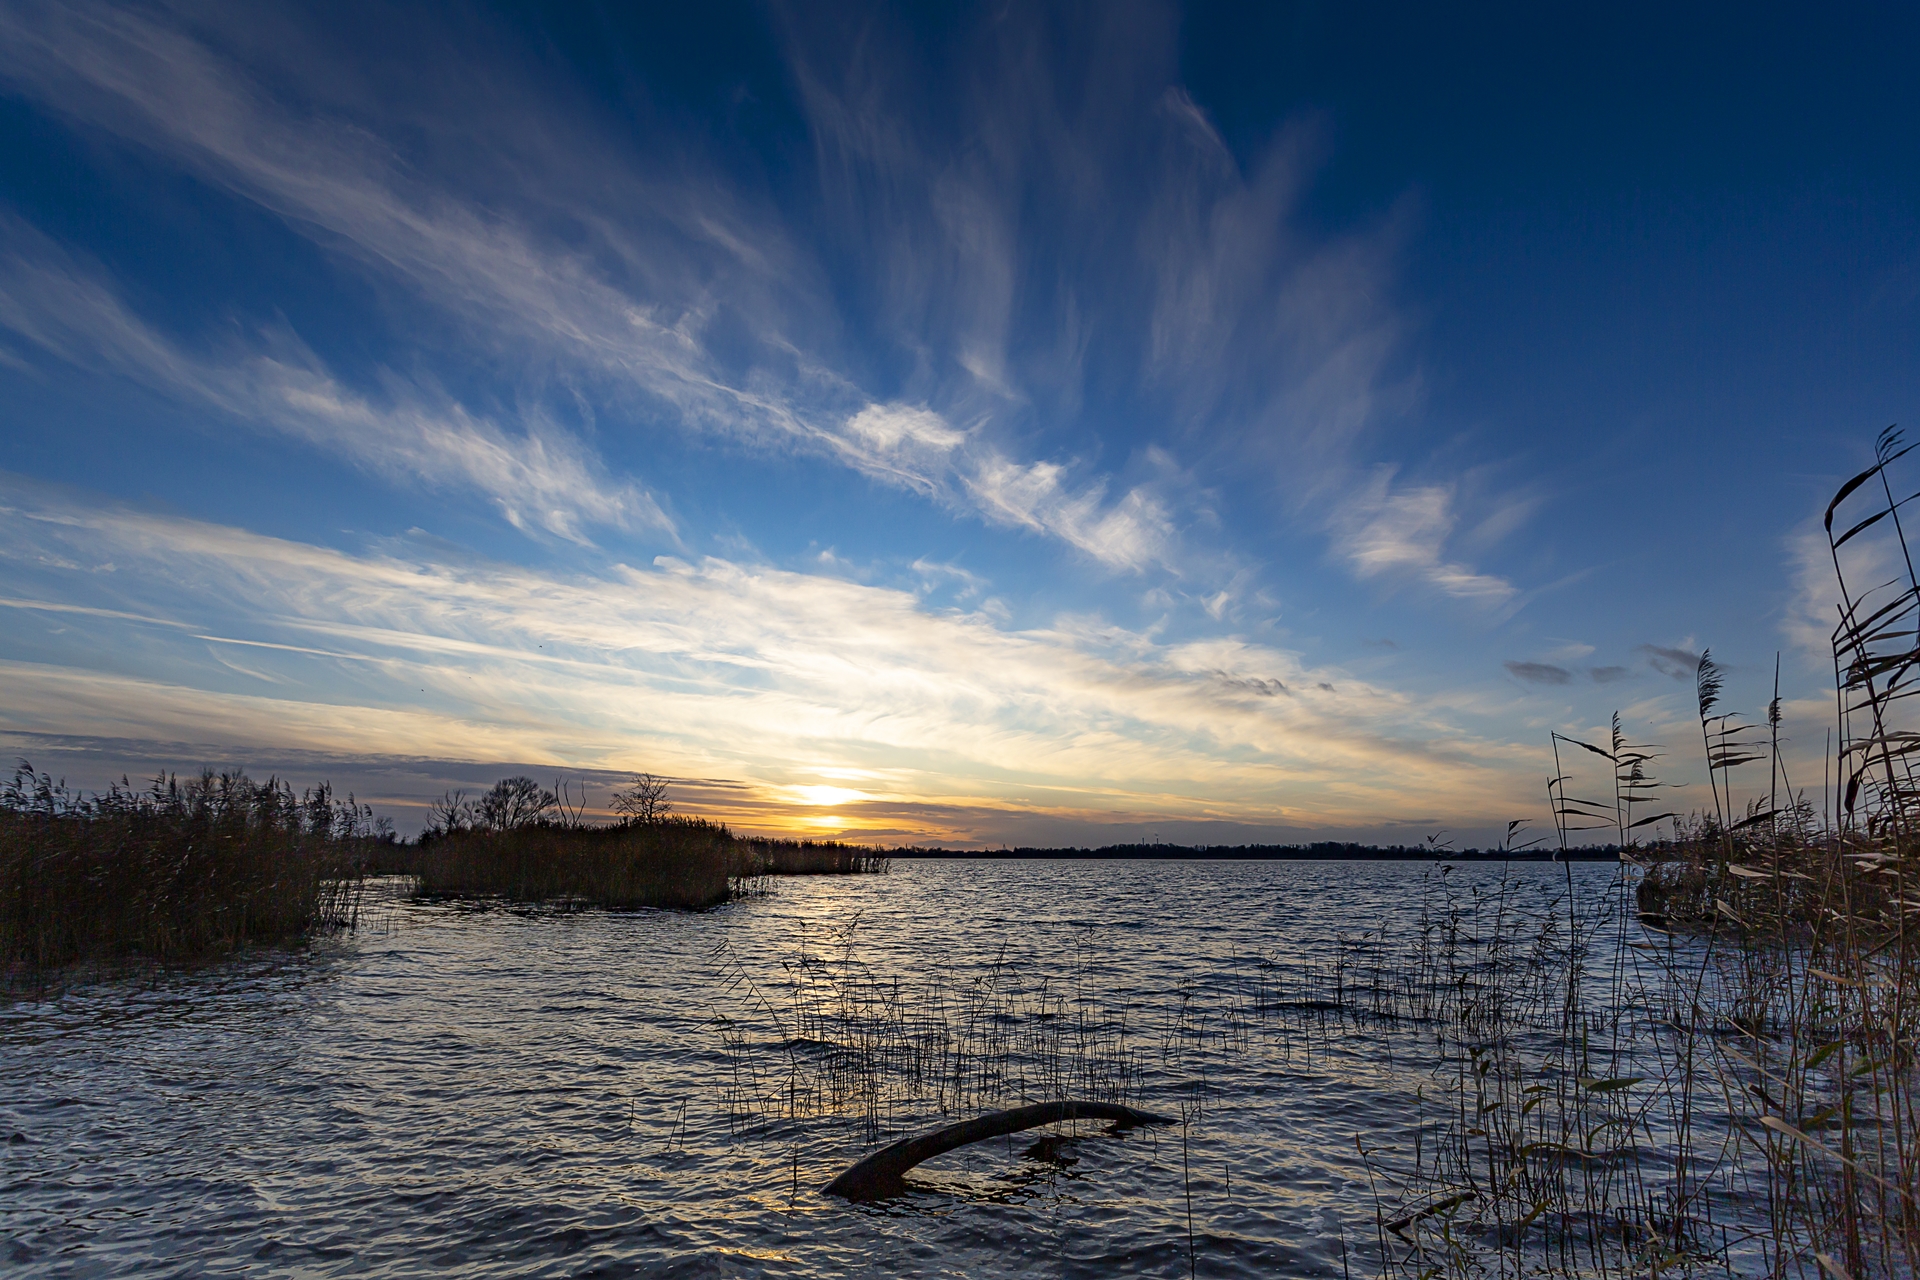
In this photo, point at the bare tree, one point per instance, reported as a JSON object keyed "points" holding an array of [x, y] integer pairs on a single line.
{"points": [[451, 812], [643, 802], [515, 802]]}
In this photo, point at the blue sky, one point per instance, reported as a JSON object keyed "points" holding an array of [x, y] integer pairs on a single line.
{"points": [[937, 423]]}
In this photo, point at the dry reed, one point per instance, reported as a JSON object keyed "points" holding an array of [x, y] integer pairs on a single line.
{"points": [[179, 869], [814, 857], [672, 862]]}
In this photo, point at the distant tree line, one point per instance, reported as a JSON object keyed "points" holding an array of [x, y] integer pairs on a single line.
{"points": [[1319, 850]]}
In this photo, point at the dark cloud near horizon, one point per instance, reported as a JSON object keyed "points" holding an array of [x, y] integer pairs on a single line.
{"points": [[1677, 663]]}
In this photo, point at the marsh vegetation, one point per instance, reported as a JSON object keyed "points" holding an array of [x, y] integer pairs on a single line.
{"points": [[675, 862], [174, 870], [182, 869], [525, 843]]}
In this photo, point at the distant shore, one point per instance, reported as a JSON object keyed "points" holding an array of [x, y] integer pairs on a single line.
{"points": [[1319, 852]]}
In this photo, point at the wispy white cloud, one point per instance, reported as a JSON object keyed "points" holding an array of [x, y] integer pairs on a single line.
{"points": [[917, 448], [1810, 616], [1239, 289], [1243, 340], [1394, 533], [158, 84], [999, 241], [1875, 569], [540, 479], [150, 80], [892, 429], [721, 669], [1132, 533], [965, 581]]}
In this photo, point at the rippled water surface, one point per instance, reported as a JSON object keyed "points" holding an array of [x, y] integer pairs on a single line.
{"points": [[462, 1091]]}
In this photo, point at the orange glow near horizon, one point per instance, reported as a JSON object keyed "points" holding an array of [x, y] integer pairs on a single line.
{"points": [[824, 796]]}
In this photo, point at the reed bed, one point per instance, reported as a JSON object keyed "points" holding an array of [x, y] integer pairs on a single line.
{"points": [[679, 862], [211, 864], [526, 843], [176, 870], [815, 858], [1730, 1092], [1568, 1122]]}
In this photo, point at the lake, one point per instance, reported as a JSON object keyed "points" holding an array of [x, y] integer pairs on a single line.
{"points": [[479, 1091]]}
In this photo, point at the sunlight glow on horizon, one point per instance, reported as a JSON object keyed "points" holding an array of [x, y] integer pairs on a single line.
{"points": [[826, 796]]}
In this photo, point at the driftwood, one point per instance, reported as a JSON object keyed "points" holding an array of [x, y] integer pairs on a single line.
{"points": [[880, 1175]]}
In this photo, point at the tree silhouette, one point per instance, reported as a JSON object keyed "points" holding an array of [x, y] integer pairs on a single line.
{"points": [[643, 802], [515, 802]]}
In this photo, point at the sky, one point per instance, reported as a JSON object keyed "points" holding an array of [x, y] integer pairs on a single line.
{"points": [[945, 424]]}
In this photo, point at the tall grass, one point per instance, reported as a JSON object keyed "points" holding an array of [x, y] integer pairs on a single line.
{"points": [[177, 869], [775, 857], [1814, 1009], [1556, 1132], [670, 862]]}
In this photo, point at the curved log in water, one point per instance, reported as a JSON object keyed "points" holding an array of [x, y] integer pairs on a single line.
{"points": [[880, 1175]]}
